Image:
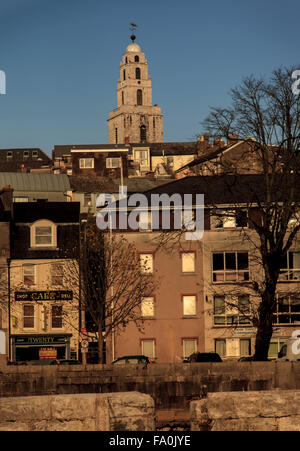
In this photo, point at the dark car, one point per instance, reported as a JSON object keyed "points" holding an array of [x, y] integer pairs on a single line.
{"points": [[246, 359], [132, 359], [203, 357]]}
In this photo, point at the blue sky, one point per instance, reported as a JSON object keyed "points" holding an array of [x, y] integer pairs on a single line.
{"points": [[61, 59]]}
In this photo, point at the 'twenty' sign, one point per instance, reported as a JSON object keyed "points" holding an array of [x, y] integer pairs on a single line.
{"points": [[65, 295]]}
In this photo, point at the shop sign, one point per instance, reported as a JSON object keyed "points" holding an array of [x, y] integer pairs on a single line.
{"points": [[54, 295], [48, 353], [42, 340]]}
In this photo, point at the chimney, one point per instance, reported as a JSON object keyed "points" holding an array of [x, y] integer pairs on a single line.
{"points": [[6, 197], [233, 139], [203, 144]]}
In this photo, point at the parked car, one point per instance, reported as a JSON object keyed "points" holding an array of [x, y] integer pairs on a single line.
{"points": [[203, 357], [246, 359], [132, 359]]}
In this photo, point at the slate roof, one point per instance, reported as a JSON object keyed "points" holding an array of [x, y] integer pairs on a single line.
{"points": [[35, 181], [58, 212], [106, 185]]}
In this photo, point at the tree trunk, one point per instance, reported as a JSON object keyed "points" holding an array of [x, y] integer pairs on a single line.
{"points": [[265, 325], [100, 346]]}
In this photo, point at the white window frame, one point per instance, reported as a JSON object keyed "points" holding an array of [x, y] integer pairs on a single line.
{"points": [[229, 315], [290, 273], [278, 315], [43, 223], [226, 219], [110, 162], [31, 316], [27, 265], [86, 163]]}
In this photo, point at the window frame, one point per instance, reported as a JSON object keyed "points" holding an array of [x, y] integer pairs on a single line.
{"points": [[232, 315], [110, 160], [152, 262], [83, 161], [52, 264], [190, 295], [233, 275], [185, 339], [43, 223], [28, 316], [182, 253], [144, 299], [277, 315], [34, 274], [54, 317], [287, 274], [153, 340]]}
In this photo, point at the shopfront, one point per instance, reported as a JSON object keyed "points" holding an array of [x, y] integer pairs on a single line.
{"points": [[40, 347]]}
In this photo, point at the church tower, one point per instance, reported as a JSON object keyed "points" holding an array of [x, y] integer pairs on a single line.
{"points": [[135, 120]]}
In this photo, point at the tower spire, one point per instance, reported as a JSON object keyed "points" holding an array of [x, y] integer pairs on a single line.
{"points": [[132, 29]]}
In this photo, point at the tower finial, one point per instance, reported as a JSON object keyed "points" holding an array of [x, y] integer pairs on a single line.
{"points": [[132, 28]]}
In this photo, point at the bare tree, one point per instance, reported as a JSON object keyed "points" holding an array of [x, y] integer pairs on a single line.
{"points": [[266, 116], [113, 282]]}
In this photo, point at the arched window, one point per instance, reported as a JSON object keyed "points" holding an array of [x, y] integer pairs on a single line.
{"points": [[126, 60], [137, 73], [136, 59], [122, 97], [143, 133], [139, 97], [124, 74]]}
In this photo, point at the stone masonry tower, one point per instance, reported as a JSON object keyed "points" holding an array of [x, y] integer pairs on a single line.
{"points": [[135, 120]]}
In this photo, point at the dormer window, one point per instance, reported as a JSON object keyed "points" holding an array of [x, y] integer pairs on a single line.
{"points": [[43, 234]]}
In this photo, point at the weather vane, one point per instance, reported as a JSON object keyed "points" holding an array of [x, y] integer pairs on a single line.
{"points": [[132, 28]]}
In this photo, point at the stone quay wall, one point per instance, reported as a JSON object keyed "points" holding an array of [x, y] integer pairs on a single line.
{"points": [[276, 410], [78, 412], [172, 386]]}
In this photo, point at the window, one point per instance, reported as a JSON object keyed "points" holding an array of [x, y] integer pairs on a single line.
{"points": [[245, 346], [230, 267], [28, 316], [35, 154], [143, 133], [26, 154], [139, 97], [56, 317], [86, 163], [116, 135], [43, 234], [136, 59], [29, 274], [189, 304], [124, 74], [228, 219], [148, 348], [145, 221], [87, 199], [290, 267], [287, 310], [9, 155], [188, 262], [137, 73], [147, 307], [220, 346], [232, 310], [123, 102], [189, 346], [146, 261], [113, 162], [57, 274], [21, 199], [275, 346], [141, 156]]}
